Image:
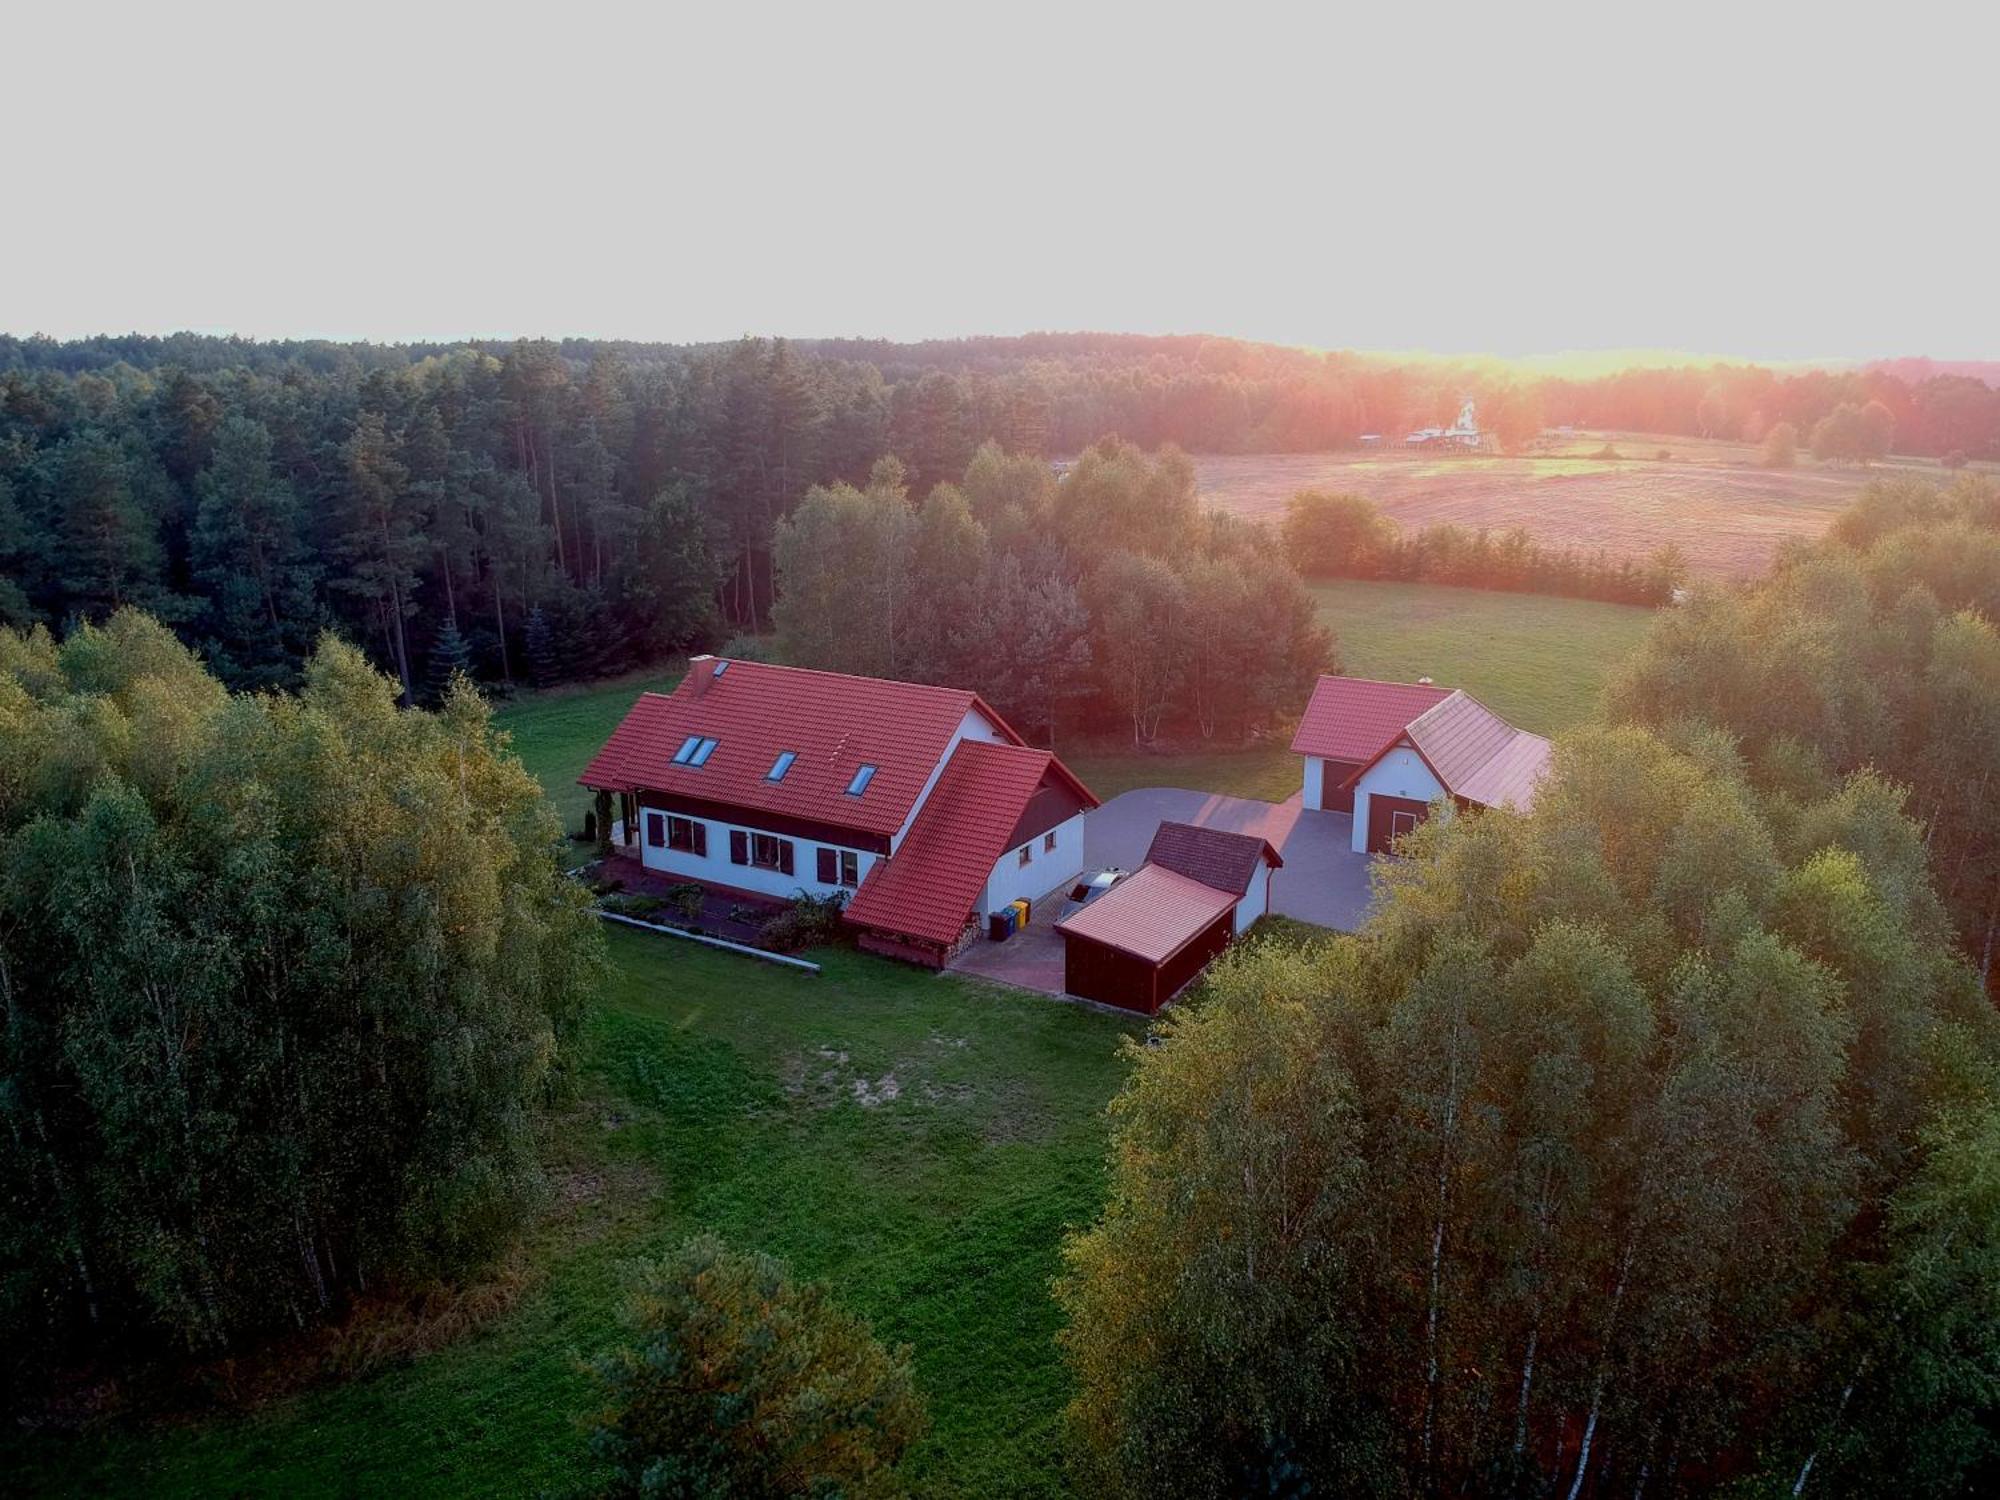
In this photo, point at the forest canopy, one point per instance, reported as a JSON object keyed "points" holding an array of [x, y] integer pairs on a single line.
{"points": [[1635, 1144], [1876, 648], [285, 981], [536, 511]]}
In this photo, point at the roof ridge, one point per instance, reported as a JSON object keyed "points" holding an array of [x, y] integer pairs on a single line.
{"points": [[985, 745], [1444, 701], [788, 668], [1389, 682]]}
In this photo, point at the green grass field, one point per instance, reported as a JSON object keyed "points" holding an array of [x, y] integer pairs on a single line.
{"points": [[556, 733], [721, 1094], [1538, 661]]}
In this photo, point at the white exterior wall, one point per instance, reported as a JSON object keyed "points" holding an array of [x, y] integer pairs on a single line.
{"points": [[974, 726], [1315, 784], [1400, 773], [1256, 900], [715, 868], [1010, 881]]}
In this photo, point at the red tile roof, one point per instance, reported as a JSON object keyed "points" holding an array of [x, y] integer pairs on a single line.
{"points": [[1478, 755], [1214, 856], [932, 883], [754, 711], [1151, 914], [1353, 718]]}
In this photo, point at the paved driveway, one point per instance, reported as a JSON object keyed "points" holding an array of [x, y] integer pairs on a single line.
{"points": [[1323, 881]]}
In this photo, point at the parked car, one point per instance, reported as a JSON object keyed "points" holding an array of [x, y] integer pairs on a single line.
{"points": [[1089, 888]]}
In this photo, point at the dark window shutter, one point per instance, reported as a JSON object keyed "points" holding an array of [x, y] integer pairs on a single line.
{"points": [[656, 830], [701, 841], [829, 867], [784, 856], [739, 847]]}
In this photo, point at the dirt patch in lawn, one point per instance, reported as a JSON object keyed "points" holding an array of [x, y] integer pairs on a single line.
{"points": [[824, 1075]]}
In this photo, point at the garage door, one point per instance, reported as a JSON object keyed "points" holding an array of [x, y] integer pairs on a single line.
{"points": [[1389, 818]]}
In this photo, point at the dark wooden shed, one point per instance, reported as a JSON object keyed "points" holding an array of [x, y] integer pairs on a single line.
{"points": [[1145, 940]]}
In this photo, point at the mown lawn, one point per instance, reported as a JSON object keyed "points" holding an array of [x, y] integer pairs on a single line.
{"points": [[556, 732], [1538, 661], [723, 1094]]}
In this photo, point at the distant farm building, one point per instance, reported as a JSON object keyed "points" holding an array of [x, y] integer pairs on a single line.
{"points": [[1464, 433], [1386, 751], [920, 804]]}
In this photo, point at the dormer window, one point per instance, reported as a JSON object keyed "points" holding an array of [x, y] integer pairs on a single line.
{"points": [[860, 782], [781, 765], [702, 752]]}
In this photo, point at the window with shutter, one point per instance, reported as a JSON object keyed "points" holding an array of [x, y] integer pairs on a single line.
{"points": [[739, 847], [701, 840], [850, 867], [829, 867], [784, 856], [656, 830]]}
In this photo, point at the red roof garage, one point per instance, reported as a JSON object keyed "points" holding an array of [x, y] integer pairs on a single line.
{"points": [[1146, 939]]}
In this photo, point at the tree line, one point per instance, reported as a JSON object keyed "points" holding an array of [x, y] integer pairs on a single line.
{"points": [[1875, 648], [1639, 1145], [1642, 1143], [1106, 598], [285, 981], [1056, 393], [1347, 536]]}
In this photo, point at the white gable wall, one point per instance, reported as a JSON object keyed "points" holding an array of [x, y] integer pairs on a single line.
{"points": [[1256, 900], [974, 726], [1315, 783], [1400, 773], [1046, 869]]}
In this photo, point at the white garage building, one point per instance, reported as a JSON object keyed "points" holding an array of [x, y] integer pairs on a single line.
{"points": [[1388, 751]]}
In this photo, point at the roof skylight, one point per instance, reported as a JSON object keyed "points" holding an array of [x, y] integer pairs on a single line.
{"points": [[688, 747], [702, 752], [781, 765], [860, 782]]}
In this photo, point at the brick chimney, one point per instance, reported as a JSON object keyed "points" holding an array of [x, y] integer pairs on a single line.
{"points": [[701, 672]]}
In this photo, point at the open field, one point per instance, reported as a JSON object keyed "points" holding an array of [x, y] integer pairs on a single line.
{"points": [[1539, 661], [1536, 660], [1711, 499], [722, 1094]]}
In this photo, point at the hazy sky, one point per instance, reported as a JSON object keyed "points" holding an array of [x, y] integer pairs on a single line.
{"points": [[1745, 180]]}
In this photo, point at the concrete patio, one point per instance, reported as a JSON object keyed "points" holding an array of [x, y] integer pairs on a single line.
{"points": [[1324, 881]]}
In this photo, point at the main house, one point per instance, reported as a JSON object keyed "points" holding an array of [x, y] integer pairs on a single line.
{"points": [[920, 804], [1385, 751]]}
